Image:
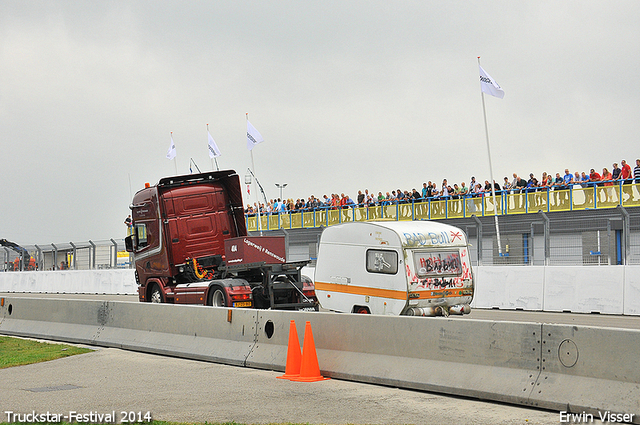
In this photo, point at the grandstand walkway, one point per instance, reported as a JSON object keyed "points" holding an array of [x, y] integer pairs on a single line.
{"points": [[576, 198]]}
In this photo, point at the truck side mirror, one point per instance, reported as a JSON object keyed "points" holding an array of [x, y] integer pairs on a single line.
{"points": [[128, 243]]}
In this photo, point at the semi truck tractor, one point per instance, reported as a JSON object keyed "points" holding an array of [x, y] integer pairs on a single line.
{"points": [[415, 268], [190, 246]]}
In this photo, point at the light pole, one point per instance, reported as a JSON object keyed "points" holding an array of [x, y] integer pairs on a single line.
{"points": [[281, 186]]}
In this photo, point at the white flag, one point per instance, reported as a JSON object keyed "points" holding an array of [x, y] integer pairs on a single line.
{"points": [[214, 152], [489, 85], [172, 150], [253, 136]]}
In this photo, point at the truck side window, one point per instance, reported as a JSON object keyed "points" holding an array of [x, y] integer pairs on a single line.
{"points": [[141, 236], [380, 261]]}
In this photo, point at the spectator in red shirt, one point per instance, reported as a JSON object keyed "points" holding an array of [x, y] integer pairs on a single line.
{"points": [[335, 201], [343, 200], [625, 172], [627, 177], [594, 176]]}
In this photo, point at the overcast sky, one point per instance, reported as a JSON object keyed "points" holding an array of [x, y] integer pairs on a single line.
{"points": [[348, 95]]}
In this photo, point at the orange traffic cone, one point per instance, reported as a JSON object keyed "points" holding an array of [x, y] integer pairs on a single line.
{"points": [[309, 369], [294, 355]]}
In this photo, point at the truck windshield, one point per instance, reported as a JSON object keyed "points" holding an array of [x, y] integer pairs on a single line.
{"points": [[437, 263]]}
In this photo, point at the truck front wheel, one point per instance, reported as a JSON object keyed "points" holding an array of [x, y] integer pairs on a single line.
{"points": [[156, 295], [218, 298]]}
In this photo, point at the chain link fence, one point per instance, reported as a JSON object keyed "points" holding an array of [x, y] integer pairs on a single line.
{"points": [[597, 237], [87, 255]]}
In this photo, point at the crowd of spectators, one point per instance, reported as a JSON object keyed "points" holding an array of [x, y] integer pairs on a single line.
{"points": [[430, 190]]}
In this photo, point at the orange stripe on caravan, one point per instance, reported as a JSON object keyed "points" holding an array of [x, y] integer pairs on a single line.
{"points": [[361, 290], [387, 293]]}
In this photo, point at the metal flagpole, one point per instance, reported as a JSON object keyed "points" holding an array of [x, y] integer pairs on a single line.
{"points": [[175, 161], [217, 168], [493, 190], [253, 170]]}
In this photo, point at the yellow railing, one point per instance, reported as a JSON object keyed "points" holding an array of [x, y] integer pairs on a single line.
{"points": [[576, 198]]}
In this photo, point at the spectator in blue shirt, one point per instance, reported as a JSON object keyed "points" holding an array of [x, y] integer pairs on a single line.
{"points": [[568, 177]]}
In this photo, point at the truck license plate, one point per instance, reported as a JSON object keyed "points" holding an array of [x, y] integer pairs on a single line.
{"points": [[242, 304]]}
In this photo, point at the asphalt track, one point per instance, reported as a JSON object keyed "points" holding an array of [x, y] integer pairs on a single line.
{"points": [[172, 389]]}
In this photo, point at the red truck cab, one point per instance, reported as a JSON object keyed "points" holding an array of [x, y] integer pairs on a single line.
{"points": [[181, 227]]}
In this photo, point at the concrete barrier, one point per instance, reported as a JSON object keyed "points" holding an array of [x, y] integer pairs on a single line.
{"points": [[183, 331], [565, 368], [584, 289], [509, 287], [483, 359], [589, 369], [602, 289], [631, 296], [112, 281]]}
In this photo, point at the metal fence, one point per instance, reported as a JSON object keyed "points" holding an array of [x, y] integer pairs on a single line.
{"points": [[87, 255], [590, 237], [584, 237], [531, 201], [594, 225]]}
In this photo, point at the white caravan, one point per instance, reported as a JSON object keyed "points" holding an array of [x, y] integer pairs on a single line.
{"points": [[415, 268]]}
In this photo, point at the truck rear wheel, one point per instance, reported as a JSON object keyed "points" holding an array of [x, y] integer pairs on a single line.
{"points": [[218, 298], [156, 295]]}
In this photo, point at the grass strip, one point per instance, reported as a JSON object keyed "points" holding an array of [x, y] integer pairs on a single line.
{"points": [[19, 352]]}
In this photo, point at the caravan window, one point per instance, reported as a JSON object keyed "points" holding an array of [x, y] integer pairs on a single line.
{"points": [[437, 264], [381, 261]]}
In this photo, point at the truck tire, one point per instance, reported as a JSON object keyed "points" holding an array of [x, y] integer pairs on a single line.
{"points": [[156, 295], [218, 299]]}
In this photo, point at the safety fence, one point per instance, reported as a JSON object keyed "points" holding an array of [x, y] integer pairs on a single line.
{"points": [[87, 255], [575, 198], [585, 238]]}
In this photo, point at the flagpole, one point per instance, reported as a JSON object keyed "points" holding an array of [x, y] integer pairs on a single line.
{"points": [[493, 190], [217, 169], [253, 170], [175, 161]]}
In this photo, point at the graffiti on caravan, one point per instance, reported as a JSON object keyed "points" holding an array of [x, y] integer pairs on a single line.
{"points": [[438, 263], [432, 238]]}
